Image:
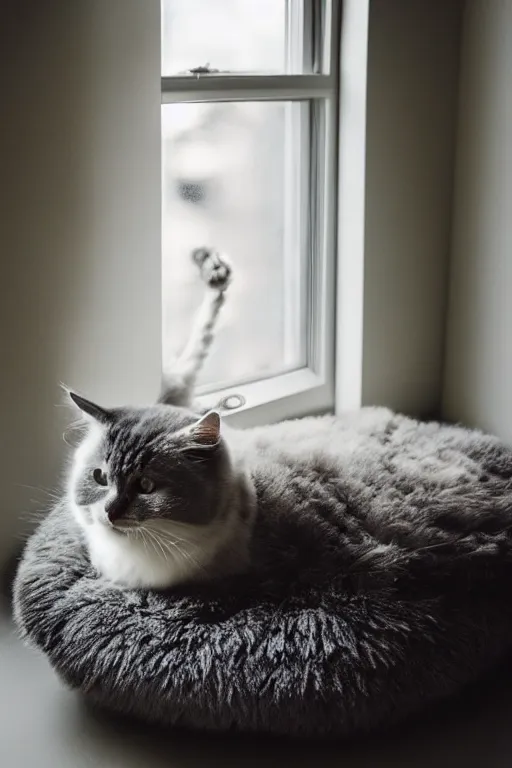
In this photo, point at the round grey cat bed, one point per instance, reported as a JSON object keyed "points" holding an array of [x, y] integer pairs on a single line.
{"points": [[348, 622]]}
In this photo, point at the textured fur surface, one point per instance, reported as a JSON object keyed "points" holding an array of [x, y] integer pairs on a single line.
{"points": [[382, 564]]}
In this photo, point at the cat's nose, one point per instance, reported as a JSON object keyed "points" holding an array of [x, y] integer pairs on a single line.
{"points": [[115, 509]]}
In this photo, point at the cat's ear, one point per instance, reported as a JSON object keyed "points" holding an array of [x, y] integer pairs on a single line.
{"points": [[207, 430], [96, 412]]}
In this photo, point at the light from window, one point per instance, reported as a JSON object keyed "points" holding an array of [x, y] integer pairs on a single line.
{"points": [[225, 183]]}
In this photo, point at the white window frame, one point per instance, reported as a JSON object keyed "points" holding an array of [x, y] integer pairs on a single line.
{"points": [[309, 389]]}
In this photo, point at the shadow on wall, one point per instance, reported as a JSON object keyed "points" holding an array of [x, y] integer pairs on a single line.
{"points": [[43, 178], [78, 211]]}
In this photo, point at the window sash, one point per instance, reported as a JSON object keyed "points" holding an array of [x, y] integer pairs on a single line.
{"points": [[311, 38], [309, 389], [312, 34]]}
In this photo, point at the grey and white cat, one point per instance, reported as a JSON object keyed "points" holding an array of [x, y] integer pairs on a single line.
{"points": [[166, 495]]}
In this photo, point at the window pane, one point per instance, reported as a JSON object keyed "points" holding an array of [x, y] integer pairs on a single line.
{"points": [[229, 35], [233, 177]]}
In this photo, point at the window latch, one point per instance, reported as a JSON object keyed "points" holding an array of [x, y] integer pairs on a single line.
{"points": [[204, 69]]}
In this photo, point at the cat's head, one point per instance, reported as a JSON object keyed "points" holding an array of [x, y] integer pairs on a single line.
{"points": [[140, 465]]}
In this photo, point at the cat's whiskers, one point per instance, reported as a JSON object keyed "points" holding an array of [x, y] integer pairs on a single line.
{"points": [[173, 538], [163, 544], [170, 543], [156, 543], [148, 543], [163, 530], [187, 556], [139, 532], [169, 548], [168, 540]]}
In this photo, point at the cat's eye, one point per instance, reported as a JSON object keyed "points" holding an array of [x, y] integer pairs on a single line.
{"points": [[146, 485], [100, 477]]}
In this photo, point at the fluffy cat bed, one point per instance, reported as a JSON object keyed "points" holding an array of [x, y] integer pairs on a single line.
{"points": [[344, 632]]}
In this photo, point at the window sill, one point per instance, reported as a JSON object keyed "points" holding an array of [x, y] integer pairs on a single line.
{"points": [[293, 394]]}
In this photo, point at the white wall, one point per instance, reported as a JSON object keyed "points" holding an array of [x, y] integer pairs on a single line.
{"points": [[478, 375], [80, 224], [412, 82]]}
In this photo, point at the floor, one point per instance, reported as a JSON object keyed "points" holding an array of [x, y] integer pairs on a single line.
{"points": [[43, 725]]}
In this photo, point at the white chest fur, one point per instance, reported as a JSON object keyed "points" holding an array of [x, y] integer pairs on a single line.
{"points": [[132, 561], [135, 560]]}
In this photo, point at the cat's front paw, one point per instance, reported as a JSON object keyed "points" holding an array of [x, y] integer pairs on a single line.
{"points": [[215, 269]]}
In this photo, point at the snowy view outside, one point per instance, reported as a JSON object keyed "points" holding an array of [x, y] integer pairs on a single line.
{"points": [[224, 185]]}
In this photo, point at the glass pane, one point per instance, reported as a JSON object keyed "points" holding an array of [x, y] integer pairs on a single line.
{"points": [[233, 178], [228, 35]]}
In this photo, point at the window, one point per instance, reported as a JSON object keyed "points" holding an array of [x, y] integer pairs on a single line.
{"points": [[249, 118]]}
